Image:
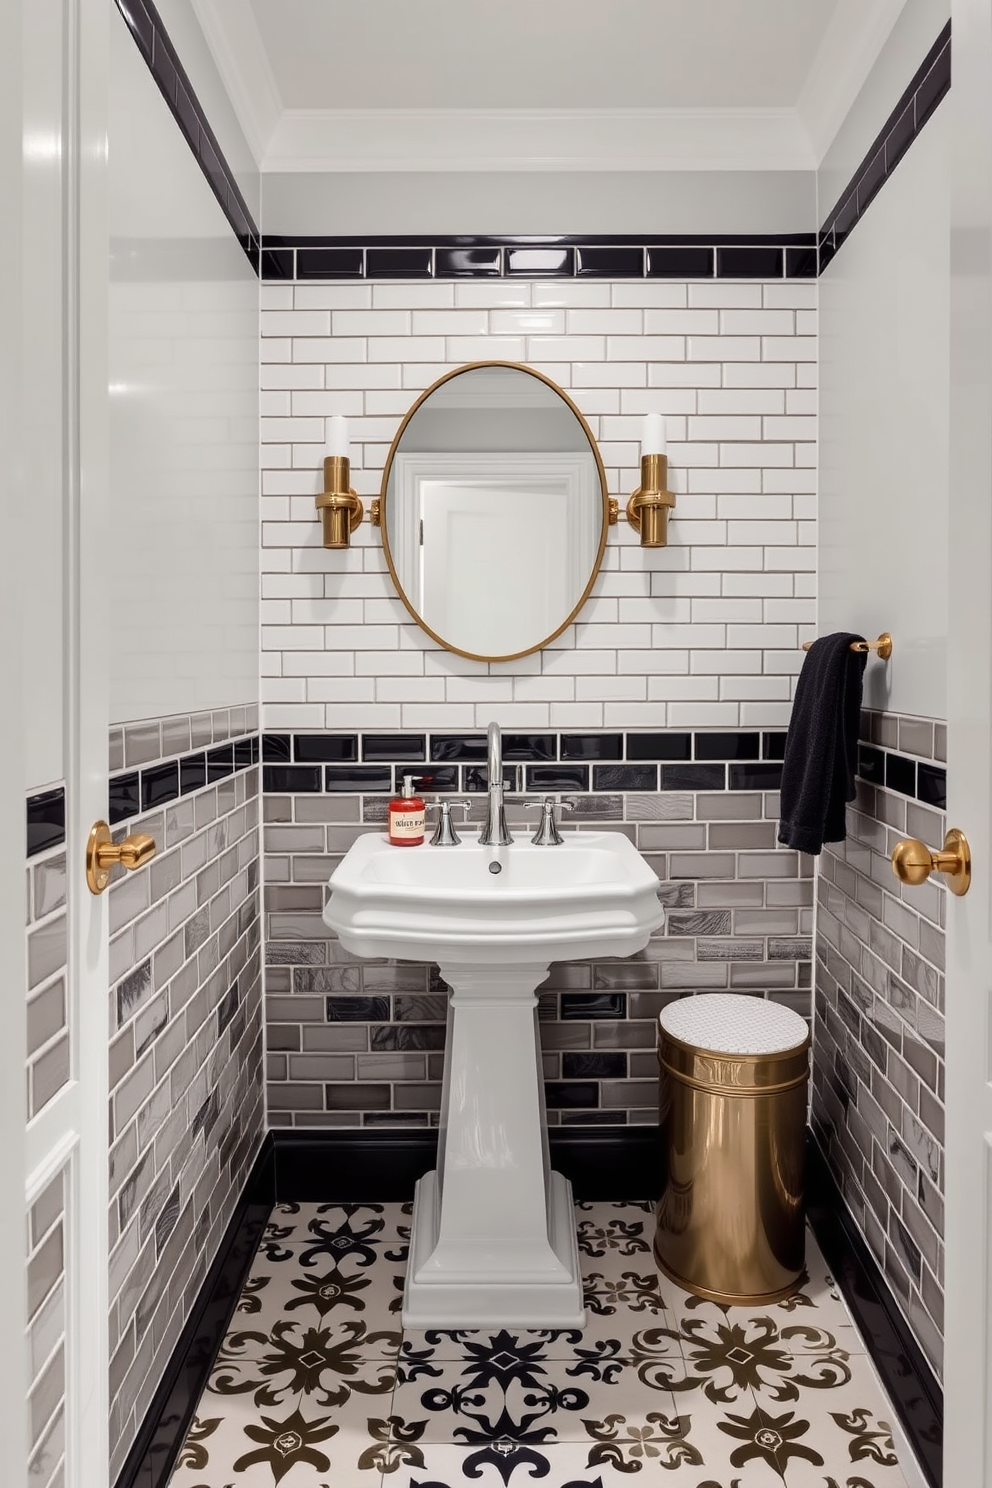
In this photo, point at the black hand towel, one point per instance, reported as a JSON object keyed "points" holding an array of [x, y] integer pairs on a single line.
{"points": [[821, 746]]}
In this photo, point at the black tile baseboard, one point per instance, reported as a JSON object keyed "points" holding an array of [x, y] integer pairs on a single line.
{"points": [[383, 1167], [152, 1457]]}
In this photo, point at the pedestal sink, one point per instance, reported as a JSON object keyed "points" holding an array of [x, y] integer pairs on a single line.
{"points": [[493, 1236]]}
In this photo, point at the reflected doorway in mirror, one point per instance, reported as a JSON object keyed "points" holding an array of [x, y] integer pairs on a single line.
{"points": [[494, 511]]}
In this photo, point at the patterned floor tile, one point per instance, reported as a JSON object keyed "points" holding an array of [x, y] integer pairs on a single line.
{"points": [[307, 1391], [507, 1464], [301, 1224], [849, 1436], [520, 1394], [241, 1444], [727, 1357], [365, 1283]]}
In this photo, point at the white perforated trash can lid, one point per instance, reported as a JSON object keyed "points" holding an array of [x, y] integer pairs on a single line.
{"points": [[723, 1023]]}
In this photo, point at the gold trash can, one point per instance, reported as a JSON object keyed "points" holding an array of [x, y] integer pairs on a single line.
{"points": [[733, 1078]]}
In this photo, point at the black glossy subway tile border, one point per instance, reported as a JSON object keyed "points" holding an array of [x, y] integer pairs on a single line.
{"points": [[599, 760], [133, 792], [771, 256], [153, 42], [924, 92], [45, 820], [908, 777], [613, 256]]}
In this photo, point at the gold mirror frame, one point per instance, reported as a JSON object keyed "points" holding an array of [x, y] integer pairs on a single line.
{"points": [[383, 509]]}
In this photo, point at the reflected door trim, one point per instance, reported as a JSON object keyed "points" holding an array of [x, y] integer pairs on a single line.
{"points": [[384, 508]]}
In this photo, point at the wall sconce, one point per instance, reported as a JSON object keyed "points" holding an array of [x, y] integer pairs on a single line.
{"points": [[648, 507], [339, 506]]}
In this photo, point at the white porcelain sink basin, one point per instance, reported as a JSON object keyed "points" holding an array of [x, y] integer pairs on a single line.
{"points": [[493, 1238], [593, 895]]}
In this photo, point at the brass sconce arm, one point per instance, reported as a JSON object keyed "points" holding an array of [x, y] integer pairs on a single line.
{"points": [[339, 506], [649, 506]]}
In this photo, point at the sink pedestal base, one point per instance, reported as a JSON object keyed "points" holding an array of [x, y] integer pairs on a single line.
{"points": [[493, 1238]]}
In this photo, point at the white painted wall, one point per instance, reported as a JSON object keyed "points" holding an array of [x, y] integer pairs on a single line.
{"points": [[914, 33], [536, 202], [183, 419], [884, 400], [705, 632]]}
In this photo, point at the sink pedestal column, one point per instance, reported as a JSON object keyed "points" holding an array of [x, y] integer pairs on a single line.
{"points": [[493, 1238]]}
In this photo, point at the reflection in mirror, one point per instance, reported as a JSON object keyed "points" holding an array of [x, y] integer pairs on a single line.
{"points": [[494, 511]]}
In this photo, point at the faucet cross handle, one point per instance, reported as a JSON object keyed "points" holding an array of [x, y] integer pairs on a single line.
{"points": [[444, 833], [547, 834]]}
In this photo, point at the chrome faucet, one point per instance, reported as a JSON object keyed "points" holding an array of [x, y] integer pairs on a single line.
{"points": [[495, 833]]}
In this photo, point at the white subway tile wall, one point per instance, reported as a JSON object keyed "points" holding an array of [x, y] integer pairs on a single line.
{"points": [[704, 633]]}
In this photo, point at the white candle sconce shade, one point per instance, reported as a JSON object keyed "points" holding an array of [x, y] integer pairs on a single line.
{"points": [[338, 506]]}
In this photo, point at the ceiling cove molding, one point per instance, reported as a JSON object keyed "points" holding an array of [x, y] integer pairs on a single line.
{"points": [[235, 41], [855, 36], [425, 140]]}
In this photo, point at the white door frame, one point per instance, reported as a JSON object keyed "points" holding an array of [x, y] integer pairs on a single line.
{"points": [[69, 1134], [968, 1226], [13, 1045]]}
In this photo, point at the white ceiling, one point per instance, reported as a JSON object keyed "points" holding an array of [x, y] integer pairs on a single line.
{"points": [[543, 84]]}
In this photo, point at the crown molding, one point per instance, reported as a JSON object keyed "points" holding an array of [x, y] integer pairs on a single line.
{"points": [[428, 140], [851, 44], [235, 41]]}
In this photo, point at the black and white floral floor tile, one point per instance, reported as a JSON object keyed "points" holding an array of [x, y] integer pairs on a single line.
{"points": [[324, 1225], [318, 1261], [316, 1385]]}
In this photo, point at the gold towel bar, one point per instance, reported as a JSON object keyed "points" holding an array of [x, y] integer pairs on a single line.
{"points": [[883, 645]]}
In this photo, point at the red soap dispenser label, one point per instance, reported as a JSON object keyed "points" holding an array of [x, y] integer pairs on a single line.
{"points": [[406, 823]]}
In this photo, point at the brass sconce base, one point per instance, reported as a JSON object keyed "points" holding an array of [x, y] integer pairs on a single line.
{"points": [[649, 506], [339, 506]]}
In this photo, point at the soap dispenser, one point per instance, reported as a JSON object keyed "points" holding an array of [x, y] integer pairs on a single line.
{"points": [[406, 817]]}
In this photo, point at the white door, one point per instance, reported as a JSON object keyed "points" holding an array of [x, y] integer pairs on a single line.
{"points": [[968, 1343], [60, 71]]}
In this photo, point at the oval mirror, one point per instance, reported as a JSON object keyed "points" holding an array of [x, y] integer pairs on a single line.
{"points": [[494, 511]]}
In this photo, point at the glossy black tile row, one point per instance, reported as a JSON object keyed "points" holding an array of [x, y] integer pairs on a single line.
{"points": [[45, 820], [376, 763], [774, 256], [132, 792], [162, 59], [431, 778], [924, 92], [414, 753], [678, 256], [898, 772]]}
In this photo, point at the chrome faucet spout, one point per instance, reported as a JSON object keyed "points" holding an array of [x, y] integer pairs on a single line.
{"points": [[495, 831]]}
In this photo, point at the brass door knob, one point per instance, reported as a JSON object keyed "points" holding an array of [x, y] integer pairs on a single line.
{"points": [[103, 853], [913, 862]]}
